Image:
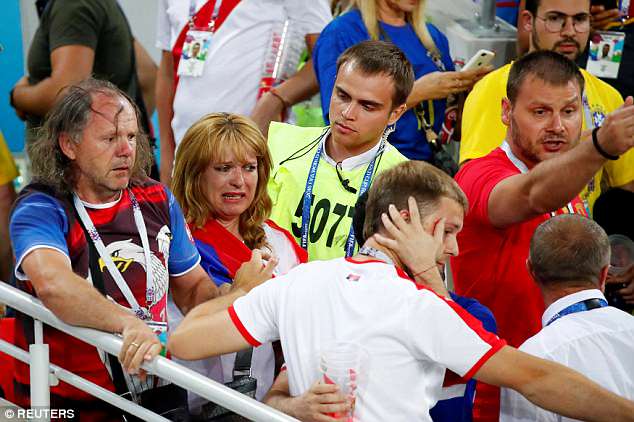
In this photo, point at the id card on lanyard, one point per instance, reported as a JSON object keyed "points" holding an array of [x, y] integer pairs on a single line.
{"points": [[605, 54], [197, 42], [154, 289]]}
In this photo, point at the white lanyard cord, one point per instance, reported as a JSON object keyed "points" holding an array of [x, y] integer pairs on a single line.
{"points": [[587, 112], [516, 161], [107, 259]]}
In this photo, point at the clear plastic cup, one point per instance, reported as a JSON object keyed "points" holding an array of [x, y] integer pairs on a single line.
{"points": [[622, 253], [621, 259], [346, 365]]}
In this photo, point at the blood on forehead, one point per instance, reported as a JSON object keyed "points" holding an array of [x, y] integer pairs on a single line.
{"points": [[110, 106]]}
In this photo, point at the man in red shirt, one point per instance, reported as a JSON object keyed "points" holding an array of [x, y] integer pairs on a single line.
{"points": [[536, 173]]}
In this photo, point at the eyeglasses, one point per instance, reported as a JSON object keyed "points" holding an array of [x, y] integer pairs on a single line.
{"points": [[556, 22]]}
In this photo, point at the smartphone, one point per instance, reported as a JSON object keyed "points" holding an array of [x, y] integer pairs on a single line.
{"points": [[479, 59]]}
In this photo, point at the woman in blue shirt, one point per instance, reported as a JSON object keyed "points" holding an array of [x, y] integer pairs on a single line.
{"points": [[403, 23]]}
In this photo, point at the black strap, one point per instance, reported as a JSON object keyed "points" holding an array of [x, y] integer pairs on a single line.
{"points": [[593, 303], [242, 365], [595, 142], [279, 357], [118, 379]]}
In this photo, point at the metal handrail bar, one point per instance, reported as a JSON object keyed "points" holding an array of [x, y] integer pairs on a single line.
{"points": [[160, 366], [85, 385]]}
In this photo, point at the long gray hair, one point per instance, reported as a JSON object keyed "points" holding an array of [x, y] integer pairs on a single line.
{"points": [[70, 115]]}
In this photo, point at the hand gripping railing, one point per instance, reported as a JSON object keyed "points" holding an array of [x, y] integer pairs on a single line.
{"points": [[160, 366]]}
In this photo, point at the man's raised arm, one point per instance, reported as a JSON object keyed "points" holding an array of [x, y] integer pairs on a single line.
{"points": [[553, 183], [75, 301]]}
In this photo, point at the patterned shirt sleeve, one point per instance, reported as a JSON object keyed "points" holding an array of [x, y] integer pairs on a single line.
{"points": [[183, 253], [28, 232]]}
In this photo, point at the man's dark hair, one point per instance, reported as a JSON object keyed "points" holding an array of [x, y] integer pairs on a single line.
{"points": [[533, 5], [548, 66], [418, 179], [568, 249], [380, 57], [70, 115]]}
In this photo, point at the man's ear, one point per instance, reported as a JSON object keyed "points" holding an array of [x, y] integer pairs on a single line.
{"points": [[603, 276], [396, 114], [526, 20], [506, 111], [67, 145]]}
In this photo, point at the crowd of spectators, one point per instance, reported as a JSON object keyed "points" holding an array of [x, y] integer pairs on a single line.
{"points": [[255, 242]]}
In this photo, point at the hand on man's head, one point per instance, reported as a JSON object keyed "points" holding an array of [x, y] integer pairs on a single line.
{"points": [[419, 246]]}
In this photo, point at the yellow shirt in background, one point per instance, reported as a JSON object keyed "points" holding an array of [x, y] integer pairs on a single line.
{"points": [[483, 130], [332, 208], [8, 170]]}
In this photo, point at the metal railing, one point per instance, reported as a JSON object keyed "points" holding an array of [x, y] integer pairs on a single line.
{"points": [[44, 374]]}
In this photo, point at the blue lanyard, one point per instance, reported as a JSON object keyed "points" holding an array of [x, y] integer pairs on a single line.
{"points": [[585, 305], [308, 194]]}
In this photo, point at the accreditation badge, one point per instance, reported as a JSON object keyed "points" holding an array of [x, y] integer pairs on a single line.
{"points": [[606, 52], [195, 51]]}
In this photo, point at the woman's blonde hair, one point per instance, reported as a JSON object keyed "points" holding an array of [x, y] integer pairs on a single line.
{"points": [[416, 19], [207, 141]]}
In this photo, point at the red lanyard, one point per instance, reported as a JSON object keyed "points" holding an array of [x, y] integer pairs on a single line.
{"points": [[205, 14]]}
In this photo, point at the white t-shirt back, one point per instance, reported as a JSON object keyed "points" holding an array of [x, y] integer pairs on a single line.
{"points": [[411, 334]]}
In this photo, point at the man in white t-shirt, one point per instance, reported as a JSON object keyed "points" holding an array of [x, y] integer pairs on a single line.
{"points": [[569, 259], [233, 64], [379, 299]]}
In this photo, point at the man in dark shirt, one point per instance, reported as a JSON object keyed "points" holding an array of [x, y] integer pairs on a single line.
{"points": [[75, 39]]}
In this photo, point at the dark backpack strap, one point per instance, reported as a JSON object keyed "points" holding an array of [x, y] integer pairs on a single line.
{"points": [[242, 365]]}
